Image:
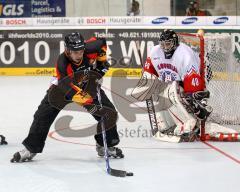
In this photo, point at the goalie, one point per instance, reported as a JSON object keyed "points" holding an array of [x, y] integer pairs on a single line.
{"points": [[171, 75]]}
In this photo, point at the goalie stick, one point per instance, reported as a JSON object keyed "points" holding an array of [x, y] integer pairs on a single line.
{"points": [[110, 171], [149, 102], [152, 115]]}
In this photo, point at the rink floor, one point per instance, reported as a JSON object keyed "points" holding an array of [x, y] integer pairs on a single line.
{"points": [[69, 162]]}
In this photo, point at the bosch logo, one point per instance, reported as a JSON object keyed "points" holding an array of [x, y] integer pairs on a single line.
{"points": [[96, 20], [189, 20], [15, 22], [160, 20], [11, 9], [220, 20]]}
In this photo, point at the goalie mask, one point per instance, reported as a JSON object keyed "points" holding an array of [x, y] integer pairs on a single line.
{"points": [[168, 42]]}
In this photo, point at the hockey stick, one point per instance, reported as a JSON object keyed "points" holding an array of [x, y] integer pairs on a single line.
{"points": [[149, 102], [154, 126], [110, 171], [152, 114]]}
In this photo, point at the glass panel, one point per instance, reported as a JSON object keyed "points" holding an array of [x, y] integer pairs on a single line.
{"points": [[238, 7], [78, 8], [205, 7]]}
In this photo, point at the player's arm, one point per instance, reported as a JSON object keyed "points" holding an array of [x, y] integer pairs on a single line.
{"points": [[148, 83], [193, 82], [190, 73], [96, 49], [102, 64], [148, 67], [194, 89]]}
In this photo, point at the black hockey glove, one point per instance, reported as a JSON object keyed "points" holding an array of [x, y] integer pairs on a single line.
{"points": [[93, 80], [101, 68], [197, 104]]}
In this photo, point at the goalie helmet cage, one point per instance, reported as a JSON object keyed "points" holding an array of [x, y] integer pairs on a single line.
{"points": [[221, 72]]}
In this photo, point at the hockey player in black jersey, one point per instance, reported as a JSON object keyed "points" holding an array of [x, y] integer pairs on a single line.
{"points": [[79, 68]]}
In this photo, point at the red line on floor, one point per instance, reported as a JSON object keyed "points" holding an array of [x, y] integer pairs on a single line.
{"points": [[221, 152]]}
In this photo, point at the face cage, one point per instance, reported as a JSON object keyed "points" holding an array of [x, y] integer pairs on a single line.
{"points": [[167, 45]]}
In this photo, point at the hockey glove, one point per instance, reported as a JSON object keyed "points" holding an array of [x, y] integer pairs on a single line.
{"points": [[92, 82], [197, 103], [82, 98]]}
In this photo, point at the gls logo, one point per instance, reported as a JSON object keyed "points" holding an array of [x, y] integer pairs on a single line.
{"points": [[11, 9], [220, 20], [159, 20], [189, 20]]}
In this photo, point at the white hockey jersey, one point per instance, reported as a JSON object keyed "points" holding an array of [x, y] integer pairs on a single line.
{"points": [[184, 61]]}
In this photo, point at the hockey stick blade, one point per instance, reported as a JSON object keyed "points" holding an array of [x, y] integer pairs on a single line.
{"points": [[119, 173]]}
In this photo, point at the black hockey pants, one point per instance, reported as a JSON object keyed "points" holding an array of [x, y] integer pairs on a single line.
{"points": [[53, 103]]}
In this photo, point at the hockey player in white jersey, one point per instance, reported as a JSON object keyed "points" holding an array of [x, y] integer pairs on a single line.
{"points": [[172, 72]]}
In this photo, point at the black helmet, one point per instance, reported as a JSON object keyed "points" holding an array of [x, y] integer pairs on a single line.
{"points": [[74, 41], [168, 41]]}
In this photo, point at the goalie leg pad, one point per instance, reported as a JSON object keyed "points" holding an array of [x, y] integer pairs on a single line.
{"points": [[185, 121], [164, 121]]}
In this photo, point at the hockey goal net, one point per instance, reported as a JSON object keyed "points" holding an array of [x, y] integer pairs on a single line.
{"points": [[221, 72]]}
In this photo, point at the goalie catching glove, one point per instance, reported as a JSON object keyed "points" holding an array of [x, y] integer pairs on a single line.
{"points": [[197, 104]]}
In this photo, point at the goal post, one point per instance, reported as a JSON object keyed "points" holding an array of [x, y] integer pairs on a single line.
{"points": [[220, 70]]}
